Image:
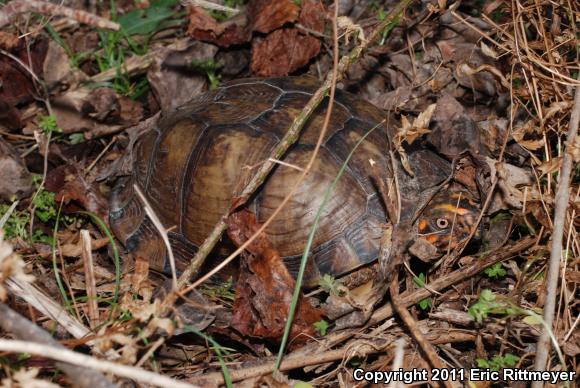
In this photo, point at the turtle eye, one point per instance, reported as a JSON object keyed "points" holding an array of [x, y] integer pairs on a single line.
{"points": [[442, 223]]}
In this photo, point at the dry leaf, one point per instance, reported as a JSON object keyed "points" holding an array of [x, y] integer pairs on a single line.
{"points": [[555, 107], [75, 249], [288, 49], [265, 287], [26, 378], [172, 79], [512, 180], [269, 15], [490, 52], [11, 265], [16, 179], [550, 166]]}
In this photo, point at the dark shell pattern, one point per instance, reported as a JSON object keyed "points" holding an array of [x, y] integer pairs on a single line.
{"points": [[198, 157]]}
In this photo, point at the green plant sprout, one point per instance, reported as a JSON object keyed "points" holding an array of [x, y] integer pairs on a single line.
{"points": [[420, 282], [321, 327], [498, 362], [329, 284], [495, 271], [210, 68]]}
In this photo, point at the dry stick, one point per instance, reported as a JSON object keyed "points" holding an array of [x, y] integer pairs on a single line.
{"points": [[20, 327], [209, 5], [289, 138], [68, 356], [409, 321], [14, 8], [53, 310], [162, 231], [300, 359], [90, 283], [543, 347]]}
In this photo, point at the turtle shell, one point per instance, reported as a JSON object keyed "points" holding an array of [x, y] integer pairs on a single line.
{"points": [[193, 163]]}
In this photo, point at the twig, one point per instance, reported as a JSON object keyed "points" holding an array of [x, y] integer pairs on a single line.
{"points": [[209, 5], [398, 361], [52, 310], [14, 8], [562, 193], [14, 323], [90, 283], [409, 321], [162, 231], [300, 359], [68, 356]]}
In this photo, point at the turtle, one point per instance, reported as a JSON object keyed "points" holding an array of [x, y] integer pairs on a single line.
{"points": [[197, 158]]}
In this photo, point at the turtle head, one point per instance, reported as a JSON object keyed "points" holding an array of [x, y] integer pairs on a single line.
{"points": [[448, 219]]}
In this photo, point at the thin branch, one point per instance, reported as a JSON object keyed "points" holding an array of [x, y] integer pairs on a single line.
{"points": [[20, 327], [409, 321], [90, 282], [562, 194], [13, 9], [162, 231], [68, 356], [210, 5], [301, 359]]}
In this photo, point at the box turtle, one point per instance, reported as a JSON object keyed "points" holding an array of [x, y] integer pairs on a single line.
{"points": [[199, 156]]}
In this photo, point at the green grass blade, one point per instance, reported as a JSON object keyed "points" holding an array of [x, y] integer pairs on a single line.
{"points": [[61, 288], [217, 347], [300, 276]]}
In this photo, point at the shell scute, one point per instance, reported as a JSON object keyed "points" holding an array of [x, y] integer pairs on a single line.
{"points": [[216, 170]]}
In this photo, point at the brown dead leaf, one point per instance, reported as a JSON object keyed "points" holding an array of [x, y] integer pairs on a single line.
{"points": [[15, 177], [8, 41], [95, 112], [57, 69], [16, 83], [572, 346], [269, 15], [312, 15], [550, 166], [288, 49], [282, 52], [512, 183], [454, 131], [199, 19], [204, 27], [172, 79], [573, 276], [265, 287], [106, 106], [76, 188], [538, 211], [75, 249], [477, 78]]}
